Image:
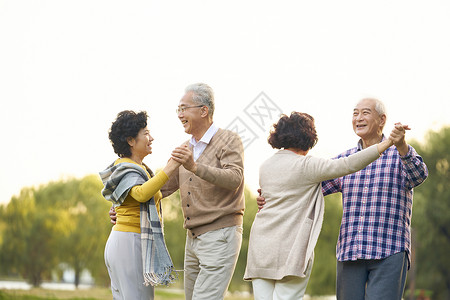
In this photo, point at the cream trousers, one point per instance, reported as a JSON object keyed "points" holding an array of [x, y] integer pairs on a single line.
{"points": [[288, 288], [209, 263]]}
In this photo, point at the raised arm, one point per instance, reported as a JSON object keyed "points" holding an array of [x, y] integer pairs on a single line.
{"points": [[384, 145], [398, 137], [228, 173], [326, 169], [142, 193], [414, 169]]}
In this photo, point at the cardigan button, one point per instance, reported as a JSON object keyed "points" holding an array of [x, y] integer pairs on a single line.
{"points": [[190, 179], [189, 193], [188, 218], [193, 234], [187, 205]]}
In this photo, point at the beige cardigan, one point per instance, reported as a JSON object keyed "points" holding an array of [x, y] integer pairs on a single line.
{"points": [[213, 198], [285, 232]]}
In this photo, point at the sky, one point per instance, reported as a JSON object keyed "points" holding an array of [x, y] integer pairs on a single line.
{"points": [[68, 67]]}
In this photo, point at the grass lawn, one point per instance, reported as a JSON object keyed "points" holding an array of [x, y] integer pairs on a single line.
{"points": [[101, 294], [85, 294]]}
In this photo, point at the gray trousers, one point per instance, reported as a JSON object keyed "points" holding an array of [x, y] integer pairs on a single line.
{"points": [[372, 279], [209, 263], [123, 259]]}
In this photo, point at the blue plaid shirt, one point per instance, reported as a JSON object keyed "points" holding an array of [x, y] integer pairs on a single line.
{"points": [[377, 205]]}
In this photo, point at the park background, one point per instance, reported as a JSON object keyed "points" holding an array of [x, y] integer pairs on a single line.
{"points": [[68, 67]]}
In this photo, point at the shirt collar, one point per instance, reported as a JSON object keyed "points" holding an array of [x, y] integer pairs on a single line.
{"points": [[206, 138], [359, 147]]}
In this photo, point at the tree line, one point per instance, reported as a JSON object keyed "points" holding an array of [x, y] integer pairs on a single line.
{"points": [[65, 223]]}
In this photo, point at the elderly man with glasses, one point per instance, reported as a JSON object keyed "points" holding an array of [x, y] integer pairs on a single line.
{"points": [[211, 183]]}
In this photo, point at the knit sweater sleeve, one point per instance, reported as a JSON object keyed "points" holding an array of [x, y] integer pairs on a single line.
{"points": [[229, 174], [172, 185], [142, 193], [325, 169]]}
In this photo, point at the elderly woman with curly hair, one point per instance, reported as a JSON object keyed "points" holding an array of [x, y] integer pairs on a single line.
{"points": [[135, 254], [285, 232]]}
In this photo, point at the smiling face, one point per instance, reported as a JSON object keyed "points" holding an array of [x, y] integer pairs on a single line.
{"points": [[141, 145], [192, 117], [367, 123]]}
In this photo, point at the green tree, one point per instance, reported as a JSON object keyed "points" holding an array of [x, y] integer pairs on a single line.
{"points": [[83, 239], [28, 247], [61, 222], [174, 233], [431, 218], [237, 282], [323, 275], [2, 233]]}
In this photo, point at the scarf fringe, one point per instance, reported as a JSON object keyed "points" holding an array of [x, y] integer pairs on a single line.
{"points": [[166, 278]]}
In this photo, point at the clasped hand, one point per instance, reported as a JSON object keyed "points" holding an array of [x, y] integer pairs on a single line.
{"points": [[184, 156], [397, 136]]}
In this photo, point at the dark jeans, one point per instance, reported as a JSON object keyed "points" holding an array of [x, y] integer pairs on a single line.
{"points": [[372, 279]]}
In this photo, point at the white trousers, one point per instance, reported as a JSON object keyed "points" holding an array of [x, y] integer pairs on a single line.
{"points": [[209, 263], [288, 288], [123, 258]]}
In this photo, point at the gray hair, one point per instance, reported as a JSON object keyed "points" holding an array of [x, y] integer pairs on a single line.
{"points": [[379, 106], [203, 95]]}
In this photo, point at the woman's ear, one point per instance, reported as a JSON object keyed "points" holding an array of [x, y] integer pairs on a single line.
{"points": [[131, 141]]}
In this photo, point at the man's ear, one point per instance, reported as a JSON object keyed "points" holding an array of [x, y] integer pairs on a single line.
{"points": [[205, 111], [383, 119]]}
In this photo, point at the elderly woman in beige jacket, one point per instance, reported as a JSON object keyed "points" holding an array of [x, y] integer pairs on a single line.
{"points": [[285, 232]]}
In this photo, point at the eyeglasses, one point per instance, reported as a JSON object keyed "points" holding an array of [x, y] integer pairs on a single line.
{"points": [[182, 109]]}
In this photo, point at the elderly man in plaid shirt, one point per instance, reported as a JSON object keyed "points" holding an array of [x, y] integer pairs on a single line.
{"points": [[374, 244], [373, 248]]}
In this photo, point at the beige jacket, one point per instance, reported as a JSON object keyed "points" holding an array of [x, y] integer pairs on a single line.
{"points": [[285, 232], [213, 198]]}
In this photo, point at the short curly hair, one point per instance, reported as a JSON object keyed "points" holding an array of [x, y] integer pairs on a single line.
{"points": [[127, 125], [294, 131]]}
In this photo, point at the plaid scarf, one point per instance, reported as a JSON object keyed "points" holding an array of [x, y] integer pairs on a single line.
{"points": [[157, 264]]}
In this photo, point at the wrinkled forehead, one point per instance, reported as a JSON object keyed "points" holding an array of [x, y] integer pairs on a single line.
{"points": [[365, 104], [186, 100]]}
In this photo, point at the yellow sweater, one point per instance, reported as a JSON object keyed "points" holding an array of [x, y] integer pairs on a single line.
{"points": [[128, 214]]}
